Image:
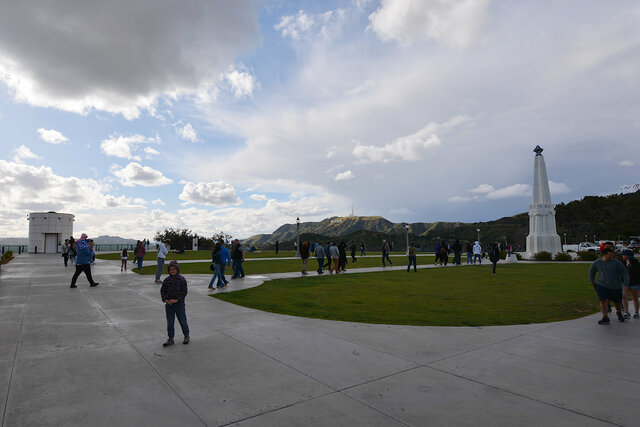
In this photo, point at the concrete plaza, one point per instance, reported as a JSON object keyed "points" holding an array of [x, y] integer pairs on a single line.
{"points": [[94, 356]]}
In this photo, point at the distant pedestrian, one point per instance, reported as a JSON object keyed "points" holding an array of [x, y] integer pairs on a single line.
{"points": [[363, 252], [65, 251], [277, 247], [444, 253], [353, 251], [237, 258], [342, 259], [327, 253], [83, 261], [477, 251], [412, 257], [633, 267], [319, 254], [217, 262], [124, 257], [226, 258], [304, 256], [163, 250], [385, 253], [457, 252], [335, 255], [494, 256], [173, 293], [73, 250], [612, 277], [437, 251], [469, 250], [139, 253]]}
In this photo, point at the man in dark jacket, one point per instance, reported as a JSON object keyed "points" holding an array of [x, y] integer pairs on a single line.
{"points": [[494, 256], [633, 267], [304, 256], [237, 258], [173, 293]]}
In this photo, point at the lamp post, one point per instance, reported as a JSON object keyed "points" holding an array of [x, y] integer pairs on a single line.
{"points": [[478, 230], [594, 239], [565, 241], [298, 237], [586, 238], [407, 227]]}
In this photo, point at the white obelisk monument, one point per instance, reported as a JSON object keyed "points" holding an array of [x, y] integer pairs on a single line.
{"points": [[542, 215]]}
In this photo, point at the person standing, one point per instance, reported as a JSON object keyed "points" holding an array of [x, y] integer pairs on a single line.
{"points": [[139, 253], [237, 258], [444, 253], [163, 250], [363, 253], [477, 252], [319, 254], [277, 247], [353, 251], [73, 250], [327, 253], [633, 267], [83, 262], [437, 251], [412, 258], [385, 253], [124, 257], [173, 293], [65, 251], [494, 256], [469, 250], [342, 260], [457, 252], [304, 256], [612, 276], [335, 255]]}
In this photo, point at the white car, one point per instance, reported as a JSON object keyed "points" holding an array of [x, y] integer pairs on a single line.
{"points": [[582, 247]]}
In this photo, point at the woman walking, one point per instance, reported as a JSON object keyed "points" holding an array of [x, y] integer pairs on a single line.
{"points": [[217, 260], [124, 257], [139, 253]]}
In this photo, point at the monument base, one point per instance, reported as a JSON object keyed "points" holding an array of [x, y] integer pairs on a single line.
{"points": [[511, 258]]}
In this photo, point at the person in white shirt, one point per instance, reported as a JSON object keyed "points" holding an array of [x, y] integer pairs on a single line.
{"points": [[477, 253], [163, 249]]}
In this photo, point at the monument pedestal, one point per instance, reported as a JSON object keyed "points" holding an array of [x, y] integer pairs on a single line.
{"points": [[511, 258]]}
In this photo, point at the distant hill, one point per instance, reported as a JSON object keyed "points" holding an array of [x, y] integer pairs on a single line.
{"points": [[113, 240], [606, 217]]}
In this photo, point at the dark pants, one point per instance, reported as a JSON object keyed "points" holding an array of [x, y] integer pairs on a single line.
{"points": [[386, 255], [86, 268], [320, 264], [236, 266], [437, 257], [342, 263], [328, 264], [456, 258], [173, 311], [66, 259], [444, 258], [353, 257], [494, 266], [412, 260]]}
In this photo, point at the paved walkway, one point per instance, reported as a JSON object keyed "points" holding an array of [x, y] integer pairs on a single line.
{"points": [[93, 356]]}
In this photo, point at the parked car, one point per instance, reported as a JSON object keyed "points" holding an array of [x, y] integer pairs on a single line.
{"points": [[581, 247]]}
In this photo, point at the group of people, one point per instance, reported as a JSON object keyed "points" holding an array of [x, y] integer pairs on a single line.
{"points": [[336, 256], [221, 258]]}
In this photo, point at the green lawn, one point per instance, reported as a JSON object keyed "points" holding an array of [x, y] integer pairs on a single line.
{"points": [[453, 296], [282, 266]]}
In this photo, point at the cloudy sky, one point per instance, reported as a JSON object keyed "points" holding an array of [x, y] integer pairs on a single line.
{"points": [[242, 115]]}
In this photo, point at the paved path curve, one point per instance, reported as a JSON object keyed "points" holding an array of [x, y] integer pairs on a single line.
{"points": [[93, 356]]}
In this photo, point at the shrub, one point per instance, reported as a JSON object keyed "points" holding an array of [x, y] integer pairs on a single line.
{"points": [[6, 257], [563, 257], [543, 256], [587, 256], [503, 254]]}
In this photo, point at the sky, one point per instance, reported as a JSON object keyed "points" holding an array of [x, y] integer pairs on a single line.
{"points": [[241, 116]]}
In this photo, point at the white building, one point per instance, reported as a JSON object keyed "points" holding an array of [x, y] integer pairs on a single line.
{"points": [[47, 231]]}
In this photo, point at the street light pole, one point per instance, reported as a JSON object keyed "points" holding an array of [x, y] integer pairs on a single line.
{"points": [[586, 238], [594, 239], [478, 230], [407, 227], [565, 241], [298, 237]]}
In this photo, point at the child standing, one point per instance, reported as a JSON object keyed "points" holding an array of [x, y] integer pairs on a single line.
{"points": [[173, 292], [123, 259]]}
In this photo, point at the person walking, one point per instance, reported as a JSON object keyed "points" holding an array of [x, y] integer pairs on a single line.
{"points": [[83, 262], [612, 276], [494, 256], [353, 251], [342, 259], [65, 252], [477, 252], [237, 258], [385, 253], [327, 253], [73, 250], [411, 253], [363, 252], [277, 247], [217, 263], [334, 252], [319, 254], [139, 252], [226, 261], [437, 252], [304, 256], [163, 250], [633, 267], [444, 253], [469, 250], [124, 257], [457, 252], [173, 293]]}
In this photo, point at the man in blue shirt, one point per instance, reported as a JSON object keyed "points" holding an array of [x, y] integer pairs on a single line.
{"points": [[226, 260]]}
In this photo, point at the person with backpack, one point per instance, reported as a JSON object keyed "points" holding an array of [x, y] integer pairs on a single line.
{"points": [[633, 267], [385, 253], [124, 257], [494, 256], [173, 292]]}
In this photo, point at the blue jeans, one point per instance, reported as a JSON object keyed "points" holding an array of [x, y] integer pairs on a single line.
{"points": [[362, 253], [469, 257], [224, 279], [479, 257], [386, 255], [236, 266], [176, 310], [412, 260], [140, 258], [159, 269], [320, 264], [216, 275]]}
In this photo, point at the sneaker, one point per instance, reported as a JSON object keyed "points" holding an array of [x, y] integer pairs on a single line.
{"points": [[94, 285], [168, 343], [186, 340], [603, 321], [73, 286], [627, 315], [159, 282], [620, 316], [636, 315]]}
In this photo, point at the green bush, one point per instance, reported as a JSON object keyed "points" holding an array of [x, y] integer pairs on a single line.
{"points": [[543, 256], [587, 256], [6, 257], [563, 257], [503, 254]]}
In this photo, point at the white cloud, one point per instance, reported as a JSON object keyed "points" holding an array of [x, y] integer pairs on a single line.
{"points": [[453, 23], [158, 202], [482, 189], [135, 174], [124, 146], [242, 83], [52, 136], [215, 193], [558, 188], [258, 197], [23, 152], [294, 25], [459, 199], [408, 148], [180, 50], [626, 163], [344, 176], [151, 151], [187, 132], [515, 190]]}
